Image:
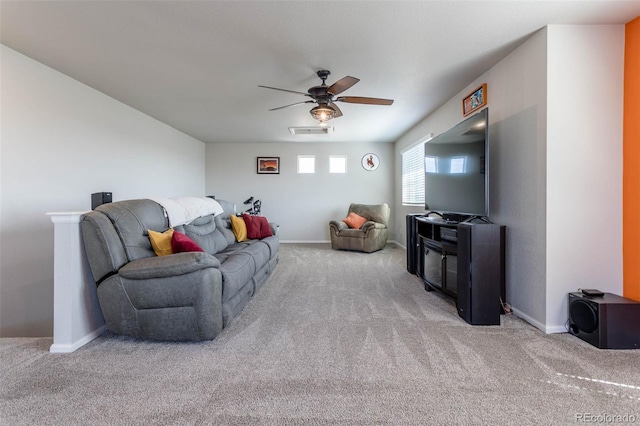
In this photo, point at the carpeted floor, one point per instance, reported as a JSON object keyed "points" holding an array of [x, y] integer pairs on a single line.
{"points": [[333, 337]]}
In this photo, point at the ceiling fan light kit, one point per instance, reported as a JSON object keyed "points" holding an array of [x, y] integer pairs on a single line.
{"points": [[323, 95], [322, 113]]}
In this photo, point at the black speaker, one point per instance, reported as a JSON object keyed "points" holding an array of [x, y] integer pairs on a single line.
{"points": [[480, 274], [606, 322], [413, 243], [99, 198]]}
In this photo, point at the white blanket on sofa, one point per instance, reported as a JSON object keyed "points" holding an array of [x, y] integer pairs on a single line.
{"points": [[181, 211]]}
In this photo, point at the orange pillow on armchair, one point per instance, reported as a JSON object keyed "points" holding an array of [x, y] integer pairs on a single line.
{"points": [[354, 221]]}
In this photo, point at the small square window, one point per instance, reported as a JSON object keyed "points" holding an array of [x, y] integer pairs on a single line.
{"points": [[430, 164], [458, 165], [337, 164], [306, 163]]}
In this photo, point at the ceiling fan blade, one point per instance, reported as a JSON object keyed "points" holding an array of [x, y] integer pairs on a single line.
{"points": [[285, 90], [342, 85], [290, 105], [363, 100], [338, 113]]}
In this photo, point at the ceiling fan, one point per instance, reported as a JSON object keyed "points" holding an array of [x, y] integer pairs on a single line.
{"points": [[324, 96]]}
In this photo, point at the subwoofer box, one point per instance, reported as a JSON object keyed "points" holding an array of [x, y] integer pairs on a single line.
{"points": [[607, 322]]}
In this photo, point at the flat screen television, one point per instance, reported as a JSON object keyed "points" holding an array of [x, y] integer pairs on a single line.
{"points": [[456, 166]]}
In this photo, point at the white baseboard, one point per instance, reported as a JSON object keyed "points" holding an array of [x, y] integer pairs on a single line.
{"points": [[547, 329], [555, 329], [65, 348], [303, 242]]}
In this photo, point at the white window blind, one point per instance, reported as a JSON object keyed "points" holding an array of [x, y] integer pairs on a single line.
{"points": [[413, 175]]}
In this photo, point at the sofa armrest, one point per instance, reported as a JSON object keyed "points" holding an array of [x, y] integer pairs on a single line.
{"points": [[170, 307], [167, 266], [372, 225], [338, 225]]}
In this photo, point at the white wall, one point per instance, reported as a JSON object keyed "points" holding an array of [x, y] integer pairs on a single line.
{"points": [[555, 165], [60, 142], [518, 114], [302, 204], [584, 163]]}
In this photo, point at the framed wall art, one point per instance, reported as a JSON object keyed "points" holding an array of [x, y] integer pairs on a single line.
{"points": [[269, 165], [370, 161], [474, 100]]}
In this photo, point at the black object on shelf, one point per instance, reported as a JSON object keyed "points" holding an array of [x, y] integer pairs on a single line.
{"points": [[592, 292], [99, 198]]}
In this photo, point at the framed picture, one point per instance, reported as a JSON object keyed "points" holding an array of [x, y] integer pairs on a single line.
{"points": [[269, 165], [475, 100], [370, 161]]}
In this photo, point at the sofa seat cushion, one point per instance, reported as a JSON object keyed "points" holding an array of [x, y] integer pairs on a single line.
{"points": [[273, 243], [258, 251], [237, 269]]}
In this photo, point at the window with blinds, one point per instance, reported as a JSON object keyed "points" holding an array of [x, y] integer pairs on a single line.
{"points": [[413, 175]]}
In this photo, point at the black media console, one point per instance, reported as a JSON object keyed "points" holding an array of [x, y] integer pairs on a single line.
{"points": [[464, 260]]}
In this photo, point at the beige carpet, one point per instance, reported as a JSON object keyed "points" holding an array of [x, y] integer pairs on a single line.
{"points": [[332, 338]]}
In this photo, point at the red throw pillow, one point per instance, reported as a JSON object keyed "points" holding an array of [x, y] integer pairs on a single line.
{"points": [[253, 226], [265, 229], [181, 243], [354, 221]]}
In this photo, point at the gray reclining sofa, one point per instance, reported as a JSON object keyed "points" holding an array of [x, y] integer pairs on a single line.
{"points": [[183, 296]]}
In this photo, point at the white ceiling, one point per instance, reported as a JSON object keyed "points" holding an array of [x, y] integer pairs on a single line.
{"points": [[196, 65]]}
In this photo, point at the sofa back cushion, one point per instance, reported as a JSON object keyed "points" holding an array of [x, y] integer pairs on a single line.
{"points": [[102, 244], [375, 212], [223, 221], [131, 220], [204, 232]]}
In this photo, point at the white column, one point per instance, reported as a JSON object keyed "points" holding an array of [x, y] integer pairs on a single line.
{"points": [[77, 318]]}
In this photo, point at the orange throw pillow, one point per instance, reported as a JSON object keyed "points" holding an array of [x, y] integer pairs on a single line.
{"points": [[354, 221]]}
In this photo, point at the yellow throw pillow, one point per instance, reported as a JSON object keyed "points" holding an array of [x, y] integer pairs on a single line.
{"points": [[161, 241], [239, 228]]}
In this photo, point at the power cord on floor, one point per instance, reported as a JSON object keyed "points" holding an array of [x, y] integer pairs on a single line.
{"points": [[505, 307]]}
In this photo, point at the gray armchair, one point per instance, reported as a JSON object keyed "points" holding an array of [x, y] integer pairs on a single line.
{"points": [[371, 236]]}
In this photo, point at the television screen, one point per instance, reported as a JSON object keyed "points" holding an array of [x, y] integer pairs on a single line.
{"points": [[456, 167]]}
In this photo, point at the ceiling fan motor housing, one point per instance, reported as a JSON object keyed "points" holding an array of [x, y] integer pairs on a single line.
{"points": [[320, 94]]}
